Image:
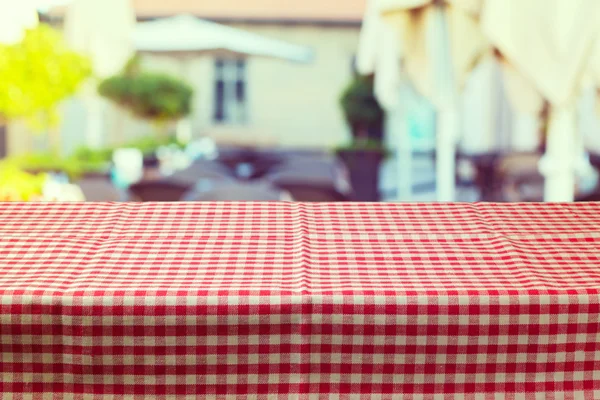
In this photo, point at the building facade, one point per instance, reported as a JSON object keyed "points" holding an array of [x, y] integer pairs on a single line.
{"points": [[243, 100]]}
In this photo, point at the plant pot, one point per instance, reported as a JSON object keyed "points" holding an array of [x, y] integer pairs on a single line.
{"points": [[363, 166]]}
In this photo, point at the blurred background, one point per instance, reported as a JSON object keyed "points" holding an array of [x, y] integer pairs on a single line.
{"points": [[353, 100]]}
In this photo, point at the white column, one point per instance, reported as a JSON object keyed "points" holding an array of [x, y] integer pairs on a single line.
{"points": [[558, 164], [95, 110]]}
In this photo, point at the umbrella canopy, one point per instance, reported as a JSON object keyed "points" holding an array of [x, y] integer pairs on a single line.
{"points": [[185, 33], [551, 44], [405, 30], [439, 42], [379, 53], [420, 24], [548, 41]]}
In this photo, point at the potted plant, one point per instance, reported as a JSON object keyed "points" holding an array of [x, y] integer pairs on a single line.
{"points": [[363, 155]]}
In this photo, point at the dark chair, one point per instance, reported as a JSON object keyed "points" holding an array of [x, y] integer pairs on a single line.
{"points": [[519, 177], [100, 188], [506, 176], [248, 163], [172, 187], [158, 190], [312, 179], [202, 169]]}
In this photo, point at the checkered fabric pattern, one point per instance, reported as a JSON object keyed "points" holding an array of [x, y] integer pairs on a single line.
{"points": [[299, 301]]}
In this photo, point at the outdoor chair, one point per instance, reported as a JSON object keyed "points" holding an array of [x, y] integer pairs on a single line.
{"points": [[202, 169], [158, 190], [248, 163], [100, 188], [312, 180]]}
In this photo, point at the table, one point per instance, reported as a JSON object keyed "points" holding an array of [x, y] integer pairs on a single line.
{"points": [[300, 301]]}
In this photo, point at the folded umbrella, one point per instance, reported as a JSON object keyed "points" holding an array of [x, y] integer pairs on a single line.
{"points": [[440, 43], [551, 43]]}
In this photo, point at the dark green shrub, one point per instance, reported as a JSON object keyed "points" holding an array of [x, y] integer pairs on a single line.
{"points": [[152, 96], [361, 109]]}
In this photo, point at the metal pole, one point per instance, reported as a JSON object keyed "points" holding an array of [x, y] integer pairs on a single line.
{"points": [[558, 164], [448, 114]]}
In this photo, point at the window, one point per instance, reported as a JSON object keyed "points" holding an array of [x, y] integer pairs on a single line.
{"points": [[230, 91]]}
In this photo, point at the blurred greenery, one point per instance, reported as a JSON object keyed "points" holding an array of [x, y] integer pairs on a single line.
{"points": [[18, 185], [73, 166], [148, 145], [85, 160], [361, 109], [152, 96], [37, 74]]}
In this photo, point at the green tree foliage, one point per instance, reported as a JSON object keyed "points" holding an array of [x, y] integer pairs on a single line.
{"points": [[36, 74], [152, 96]]}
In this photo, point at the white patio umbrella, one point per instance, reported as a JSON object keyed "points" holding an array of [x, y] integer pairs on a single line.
{"points": [[186, 33], [103, 30], [550, 43], [440, 43], [15, 18]]}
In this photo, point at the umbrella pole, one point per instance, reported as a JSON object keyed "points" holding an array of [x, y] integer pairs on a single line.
{"points": [[448, 110], [397, 131], [558, 164], [446, 153]]}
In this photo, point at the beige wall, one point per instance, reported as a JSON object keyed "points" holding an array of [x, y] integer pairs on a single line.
{"points": [[298, 104], [290, 104]]}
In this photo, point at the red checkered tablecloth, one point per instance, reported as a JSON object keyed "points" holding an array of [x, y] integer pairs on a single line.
{"points": [[299, 301]]}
